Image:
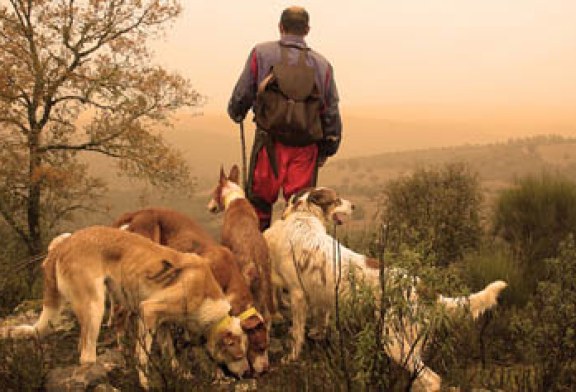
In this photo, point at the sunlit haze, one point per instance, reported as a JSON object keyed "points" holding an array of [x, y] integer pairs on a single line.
{"points": [[498, 67]]}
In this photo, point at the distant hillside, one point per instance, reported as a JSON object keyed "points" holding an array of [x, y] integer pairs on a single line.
{"points": [[210, 141], [497, 165]]}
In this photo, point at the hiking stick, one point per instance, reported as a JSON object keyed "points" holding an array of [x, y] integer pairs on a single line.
{"points": [[243, 143]]}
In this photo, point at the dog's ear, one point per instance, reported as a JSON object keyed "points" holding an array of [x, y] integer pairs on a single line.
{"points": [[251, 323], [317, 197], [234, 174], [222, 175]]}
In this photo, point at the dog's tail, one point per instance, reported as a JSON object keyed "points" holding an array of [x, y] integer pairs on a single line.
{"points": [[478, 302], [123, 222], [51, 300]]}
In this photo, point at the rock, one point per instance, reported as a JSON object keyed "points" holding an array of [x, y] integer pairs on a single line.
{"points": [[76, 378], [111, 359]]}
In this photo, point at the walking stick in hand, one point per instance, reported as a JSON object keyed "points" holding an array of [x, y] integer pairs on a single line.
{"points": [[243, 144]]}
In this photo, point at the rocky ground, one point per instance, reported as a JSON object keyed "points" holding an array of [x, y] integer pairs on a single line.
{"points": [[52, 365]]}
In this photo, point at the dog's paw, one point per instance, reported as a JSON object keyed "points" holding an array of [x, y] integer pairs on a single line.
{"points": [[18, 332]]}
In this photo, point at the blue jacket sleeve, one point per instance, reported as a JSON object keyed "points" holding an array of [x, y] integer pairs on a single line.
{"points": [[244, 92], [331, 121]]}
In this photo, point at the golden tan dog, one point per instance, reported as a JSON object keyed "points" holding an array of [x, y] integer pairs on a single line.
{"points": [[178, 231], [161, 283]]}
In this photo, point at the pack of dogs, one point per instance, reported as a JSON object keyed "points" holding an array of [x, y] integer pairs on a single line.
{"points": [[164, 267]]}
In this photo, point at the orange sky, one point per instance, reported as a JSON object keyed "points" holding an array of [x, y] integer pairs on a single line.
{"points": [[506, 64]]}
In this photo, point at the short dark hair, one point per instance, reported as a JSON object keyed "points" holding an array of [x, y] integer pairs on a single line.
{"points": [[295, 20]]}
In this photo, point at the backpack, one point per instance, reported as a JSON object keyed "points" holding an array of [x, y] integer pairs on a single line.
{"points": [[288, 102]]}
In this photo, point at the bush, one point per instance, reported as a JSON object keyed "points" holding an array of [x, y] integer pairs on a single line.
{"points": [[535, 216], [22, 367], [438, 209], [493, 262], [546, 331], [15, 270]]}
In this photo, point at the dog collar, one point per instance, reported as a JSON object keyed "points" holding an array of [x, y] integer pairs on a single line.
{"points": [[245, 315], [220, 326], [233, 195]]}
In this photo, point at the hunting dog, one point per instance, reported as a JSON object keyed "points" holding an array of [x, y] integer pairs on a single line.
{"points": [[163, 284], [241, 233], [178, 231], [305, 264]]}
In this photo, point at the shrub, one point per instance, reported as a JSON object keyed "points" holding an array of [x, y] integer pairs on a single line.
{"points": [[493, 262], [438, 209], [535, 216], [22, 367], [546, 331], [15, 270]]}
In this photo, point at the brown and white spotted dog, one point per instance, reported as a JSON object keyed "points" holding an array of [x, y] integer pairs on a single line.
{"points": [[304, 257]]}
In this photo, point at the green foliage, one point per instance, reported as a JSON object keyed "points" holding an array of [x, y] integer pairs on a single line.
{"points": [[546, 330], [436, 209], [536, 215], [15, 270], [22, 365], [492, 262]]}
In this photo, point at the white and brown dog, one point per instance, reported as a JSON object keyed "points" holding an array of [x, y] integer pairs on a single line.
{"points": [[180, 232], [240, 232], [304, 261], [163, 285]]}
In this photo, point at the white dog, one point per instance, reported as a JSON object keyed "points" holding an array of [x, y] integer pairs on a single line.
{"points": [[303, 258]]}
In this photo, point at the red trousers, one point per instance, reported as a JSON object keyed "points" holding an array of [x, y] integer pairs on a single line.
{"points": [[296, 171]]}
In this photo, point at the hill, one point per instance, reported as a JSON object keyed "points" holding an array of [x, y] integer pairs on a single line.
{"points": [[373, 151]]}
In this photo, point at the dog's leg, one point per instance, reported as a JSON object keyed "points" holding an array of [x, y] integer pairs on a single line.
{"points": [[321, 321], [90, 312], [147, 323], [299, 308], [406, 352], [110, 321], [166, 342]]}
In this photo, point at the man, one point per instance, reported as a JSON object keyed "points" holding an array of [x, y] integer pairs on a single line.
{"points": [[277, 162]]}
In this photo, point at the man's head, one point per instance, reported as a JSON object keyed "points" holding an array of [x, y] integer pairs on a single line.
{"points": [[295, 21]]}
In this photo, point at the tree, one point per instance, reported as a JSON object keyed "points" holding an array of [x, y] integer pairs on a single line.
{"points": [[436, 210], [76, 77]]}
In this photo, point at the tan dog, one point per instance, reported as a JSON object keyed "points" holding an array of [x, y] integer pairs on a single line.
{"points": [[304, 259], [180, 232], [240, 232], [163, 284]]}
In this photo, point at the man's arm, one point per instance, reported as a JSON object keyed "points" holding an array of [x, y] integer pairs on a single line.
{"points": [[244, 92], [330, 117]]}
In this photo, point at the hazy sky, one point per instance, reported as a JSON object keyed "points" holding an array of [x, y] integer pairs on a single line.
{"points": [[504, 60]]}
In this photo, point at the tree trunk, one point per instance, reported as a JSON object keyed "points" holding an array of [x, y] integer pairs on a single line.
{"points": [[34, 242]]}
